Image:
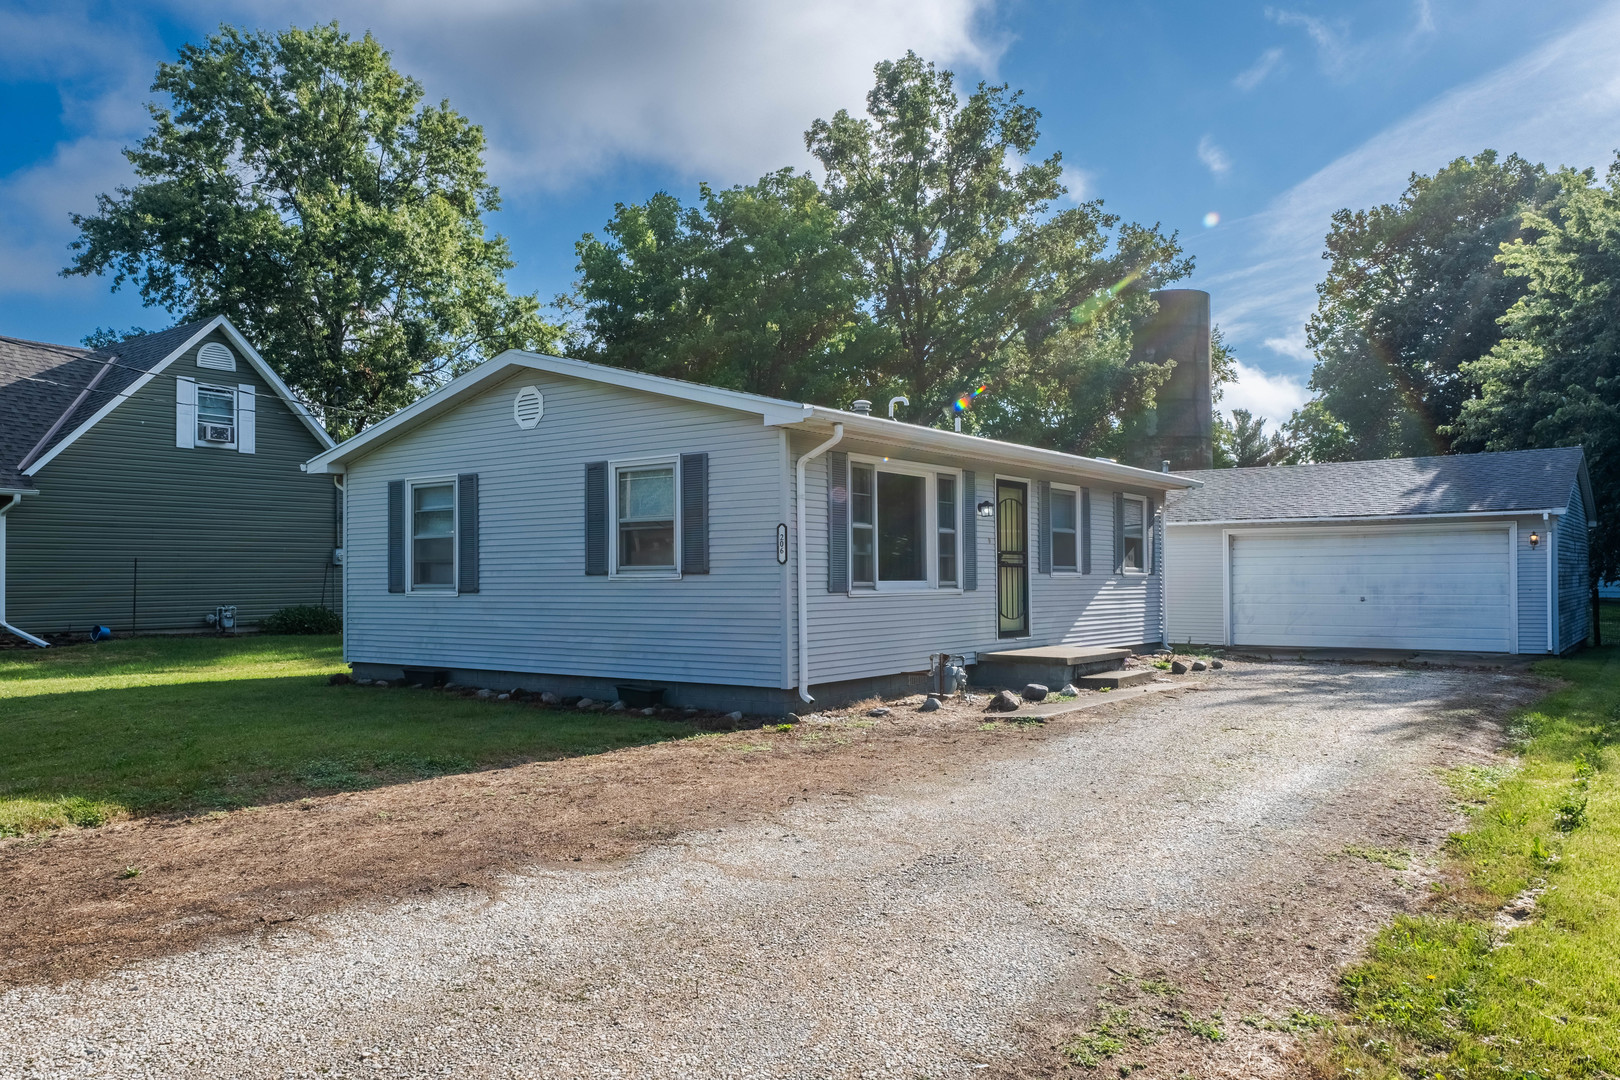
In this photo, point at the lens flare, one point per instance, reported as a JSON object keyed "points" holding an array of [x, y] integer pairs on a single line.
{"points": [[1211, 220], [965, 402]]}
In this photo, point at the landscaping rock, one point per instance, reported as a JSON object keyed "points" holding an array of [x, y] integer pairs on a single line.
{"points": [[340, 679], [1178, 667], [1006, 701], [1199, 665], [363, 682], [649, 711], [503, 697], [486, 692], [930, 704], [548, 698], [584, 703], [689, 711], [879, 711], [734, 716], [618, 706], [450, 686], [1216, 664], [1035, 692], [1070, 690]]}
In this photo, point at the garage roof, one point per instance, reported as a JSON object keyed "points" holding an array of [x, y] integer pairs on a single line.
{"points": [[1518, 480]]}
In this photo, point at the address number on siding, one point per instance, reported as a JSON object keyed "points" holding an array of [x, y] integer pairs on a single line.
{"points": [[781, 545]]}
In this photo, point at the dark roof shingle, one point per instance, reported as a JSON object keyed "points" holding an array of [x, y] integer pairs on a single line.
{"points": [[1454, 484]]}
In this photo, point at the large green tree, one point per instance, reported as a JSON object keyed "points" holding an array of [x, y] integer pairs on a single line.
{"points": [[928, 262], [750, 289], [1413, 293], [298, 184], [1554, 378]]}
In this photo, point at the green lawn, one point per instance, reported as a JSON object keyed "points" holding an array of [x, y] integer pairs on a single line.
{"points": [[1451, 994], [152, 725]]}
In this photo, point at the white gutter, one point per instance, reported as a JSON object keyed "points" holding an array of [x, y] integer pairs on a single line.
{"points": [[30, 638], [804, 571], [1366, 517]]}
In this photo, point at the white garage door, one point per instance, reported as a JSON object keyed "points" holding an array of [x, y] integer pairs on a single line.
{"points": [[1412, 587]]}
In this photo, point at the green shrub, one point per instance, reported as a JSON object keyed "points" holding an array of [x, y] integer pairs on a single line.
{"points": [[303, 619]]}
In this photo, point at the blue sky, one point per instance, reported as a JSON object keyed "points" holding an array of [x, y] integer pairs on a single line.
{"points": [[1271, 116]]}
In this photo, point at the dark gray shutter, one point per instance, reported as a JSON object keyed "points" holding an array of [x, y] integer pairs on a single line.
{"points": [[1148, 539], [970, 532], [1119, 532], [396, 536], [694, 513], [837, 522], [1043, 507], [467, 533], [1085, 530], [596, 522]]}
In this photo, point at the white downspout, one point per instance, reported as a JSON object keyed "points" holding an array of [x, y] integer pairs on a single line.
{"points": [[1548, 530], [11, 500], [804, 571]]}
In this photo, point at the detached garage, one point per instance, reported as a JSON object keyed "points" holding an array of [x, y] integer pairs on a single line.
{"points": [[1469, 552]]}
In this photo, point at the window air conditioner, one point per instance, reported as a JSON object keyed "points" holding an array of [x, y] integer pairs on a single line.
{"points": [[218, 433]]}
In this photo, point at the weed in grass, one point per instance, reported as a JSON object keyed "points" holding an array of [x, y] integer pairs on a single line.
{"points": [[1162, 665], [784, 728], [1474, 784], [990, 725], [1162, 987], [1205, 1029], [1106, 1038], [130, 872], [1390, 857]]}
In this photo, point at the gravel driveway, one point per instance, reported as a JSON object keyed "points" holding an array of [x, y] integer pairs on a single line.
{"points": [[958, 927]]}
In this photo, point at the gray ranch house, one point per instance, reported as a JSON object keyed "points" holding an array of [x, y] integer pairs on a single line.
{"points": [[558, 525], [147, 485], [1466, 552]]}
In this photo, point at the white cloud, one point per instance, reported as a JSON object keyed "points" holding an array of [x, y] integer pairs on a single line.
{"points": [[1332, 40], [1256, 73], [1559, 104], [1213, 157], [1423, 17], [1080, 182], [715, 89], [1274, 397]]}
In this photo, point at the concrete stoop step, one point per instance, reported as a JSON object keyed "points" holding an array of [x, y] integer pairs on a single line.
{"points": [[1049, 665], [1113, 680]]}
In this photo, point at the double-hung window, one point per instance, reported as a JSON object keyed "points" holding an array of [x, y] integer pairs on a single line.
{"points": [[216, 416], [644, 518], [1137, 554], [902, 525], [433, 536], [1064, 532]]}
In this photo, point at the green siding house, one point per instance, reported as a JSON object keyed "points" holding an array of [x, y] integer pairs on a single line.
{"points": [[146, 485]]}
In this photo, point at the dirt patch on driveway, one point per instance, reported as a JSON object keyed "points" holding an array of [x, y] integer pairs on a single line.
{"points": [[80, 901], [1173, 884]]}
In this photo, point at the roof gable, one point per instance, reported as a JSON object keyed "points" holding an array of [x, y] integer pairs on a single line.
{"points": [[123, 370], [1506, 482]]}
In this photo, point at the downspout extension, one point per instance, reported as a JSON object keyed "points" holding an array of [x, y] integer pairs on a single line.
{"points": [[804, 571]]}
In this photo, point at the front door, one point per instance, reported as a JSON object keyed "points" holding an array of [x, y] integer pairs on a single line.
{"points": [[1012, 558]]}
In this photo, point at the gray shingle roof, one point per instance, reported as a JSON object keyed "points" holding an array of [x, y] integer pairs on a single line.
{"points": [[1454, 484], [38, 382]]}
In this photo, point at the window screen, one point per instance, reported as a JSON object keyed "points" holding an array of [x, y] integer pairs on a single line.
{"points": [[1063, 531], [433, 536]]}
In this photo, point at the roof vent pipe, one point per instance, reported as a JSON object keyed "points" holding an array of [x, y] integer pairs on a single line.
{"points": [[862, 406], [899, 399], [1164, 466]]}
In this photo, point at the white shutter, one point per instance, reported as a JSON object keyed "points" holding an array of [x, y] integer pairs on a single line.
{"points": [[246, 441], [185, 412]]}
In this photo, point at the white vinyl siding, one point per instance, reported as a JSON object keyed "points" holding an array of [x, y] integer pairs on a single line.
{"points": [[1193, 568], [1397, 587], [536, 610]]}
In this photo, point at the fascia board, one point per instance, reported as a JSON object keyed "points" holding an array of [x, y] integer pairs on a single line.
{"points": [[268, 374], [1453, 515]]}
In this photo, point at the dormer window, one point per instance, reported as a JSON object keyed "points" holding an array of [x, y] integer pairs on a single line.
{"points": [[216, 416]]}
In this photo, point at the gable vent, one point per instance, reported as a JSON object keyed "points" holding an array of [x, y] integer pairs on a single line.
{"points": [[215, 355], [528, 407]]}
